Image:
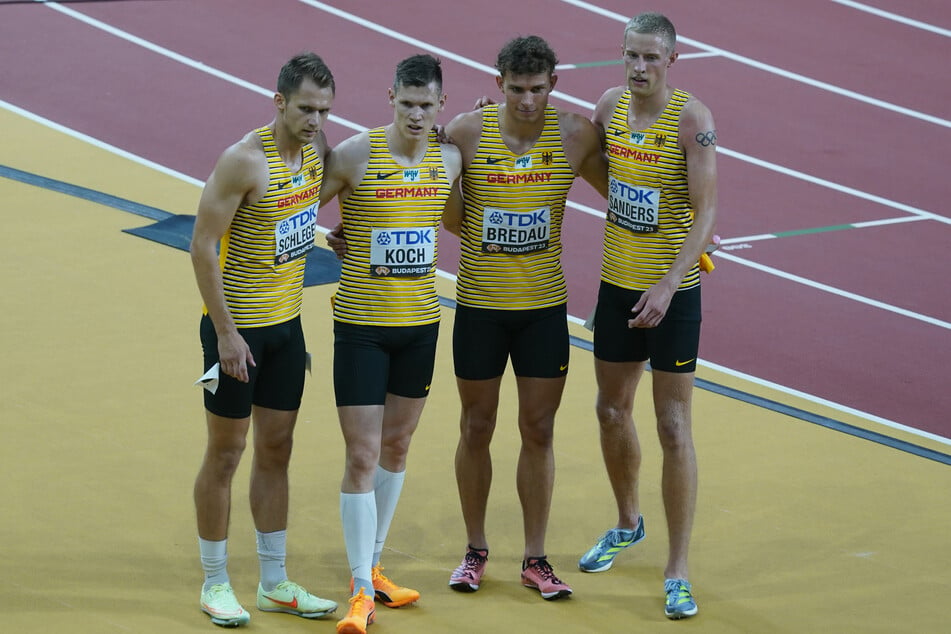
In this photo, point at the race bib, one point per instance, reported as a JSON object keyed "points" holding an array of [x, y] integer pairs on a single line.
{"points": [[633, 208], [402, 252], [515, 232], [294, 236]]}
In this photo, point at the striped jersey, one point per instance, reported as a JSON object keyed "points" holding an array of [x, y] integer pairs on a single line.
{"points": [[510, 255], [262, 253], [649, 212], [391, 220]]}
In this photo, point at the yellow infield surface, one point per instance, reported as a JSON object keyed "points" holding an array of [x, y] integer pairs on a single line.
{"points": [[799, 528]]}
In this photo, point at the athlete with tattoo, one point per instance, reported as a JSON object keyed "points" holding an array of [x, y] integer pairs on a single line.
{"points": [[661, 148]]}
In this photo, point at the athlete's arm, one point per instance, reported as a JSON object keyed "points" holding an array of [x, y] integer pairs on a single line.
{"points": [[465, 130], [454, 211], [698, 137], [604, 109], [698, 140], [232, 180], [582, 143], [344, 168]]}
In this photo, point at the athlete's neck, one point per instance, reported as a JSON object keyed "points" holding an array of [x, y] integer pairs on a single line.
{"points": [[519, 136], [408, 150], [289, 148], [643, 111]]}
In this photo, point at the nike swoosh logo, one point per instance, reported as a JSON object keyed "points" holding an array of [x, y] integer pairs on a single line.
{"points": [[683, 363], [427, 388], [289, 604], [283, 185], [492, 160], [383, 176], [562, 368]]}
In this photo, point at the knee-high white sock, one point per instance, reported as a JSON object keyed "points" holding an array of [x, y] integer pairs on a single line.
{"points": [[214, 561], [387, 486], [272, 551], [358, 513]]}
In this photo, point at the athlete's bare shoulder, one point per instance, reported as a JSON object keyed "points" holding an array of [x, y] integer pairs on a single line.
{"points": [[452, 160], [243, 167], [606, 105], [465, 131], [696, 123]]}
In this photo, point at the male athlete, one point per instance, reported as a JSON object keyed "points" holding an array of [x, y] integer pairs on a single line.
{"points": [[519, 161], [661, 148], [393, 184], [260, 203]]}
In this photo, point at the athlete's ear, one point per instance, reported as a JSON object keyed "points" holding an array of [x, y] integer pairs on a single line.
{"points": [[500, 82], [554, 80], [391, 96], [279, 101], [673, 58], [442, 101]]}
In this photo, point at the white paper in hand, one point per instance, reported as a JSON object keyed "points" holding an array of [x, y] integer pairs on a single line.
{"points": [[209, 380]]}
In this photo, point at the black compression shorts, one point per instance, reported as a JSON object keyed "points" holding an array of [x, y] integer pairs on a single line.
{"points": [[372, 361], [671, 346], [275, 382], [537, 340]]}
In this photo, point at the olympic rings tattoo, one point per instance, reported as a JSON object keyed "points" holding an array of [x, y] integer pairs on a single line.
{"points": [[707, 138]]}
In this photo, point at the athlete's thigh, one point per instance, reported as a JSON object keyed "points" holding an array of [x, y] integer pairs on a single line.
{"points": [[540, 346], [233, 398], [412, 358], [673, 344], [480, 344], [538, 400], [282, 362], [614, 341], [360, 365]]}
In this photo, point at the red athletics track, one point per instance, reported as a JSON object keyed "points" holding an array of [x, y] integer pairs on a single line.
{"points": [[766, 326]]}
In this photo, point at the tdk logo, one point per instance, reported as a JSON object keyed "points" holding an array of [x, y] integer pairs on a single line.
{"points": [[298, 220], [634, 194], [405, 237], [512, 219]]}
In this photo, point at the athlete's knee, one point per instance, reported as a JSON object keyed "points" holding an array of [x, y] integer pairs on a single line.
{"points": [[222, 460], [476, 427], [273, 454], [612, 414], [537, 428], [362, 460], [674, 431], [395, 448]]}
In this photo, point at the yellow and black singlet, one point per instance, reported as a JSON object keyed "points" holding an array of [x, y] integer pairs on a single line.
{"points": [[262, 253], [649, 212], [391, 220], [511, 235]]}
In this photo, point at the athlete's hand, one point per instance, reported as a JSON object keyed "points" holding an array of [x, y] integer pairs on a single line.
{"points": [[234, 356], [482, 102], [441, 135], [337, 241], [651, 308]]}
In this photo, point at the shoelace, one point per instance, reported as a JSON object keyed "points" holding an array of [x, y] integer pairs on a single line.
{"points": [[545, 570], [359, 599], [677, 593], [472, 561]]}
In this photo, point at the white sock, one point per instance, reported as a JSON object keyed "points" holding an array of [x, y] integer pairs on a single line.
{"points": [[358, 513], [387, 486], [214, 561], [272, 550]]}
